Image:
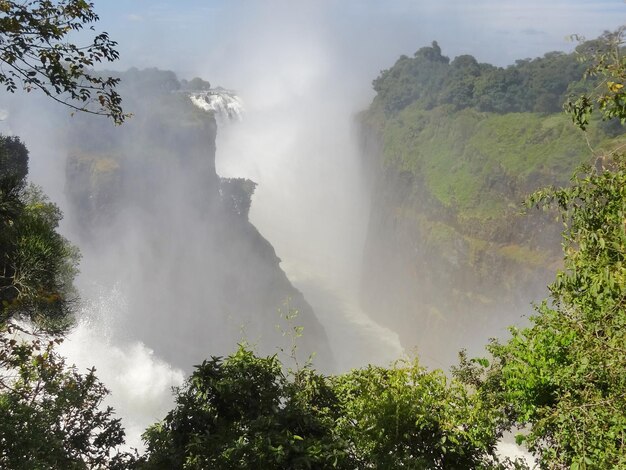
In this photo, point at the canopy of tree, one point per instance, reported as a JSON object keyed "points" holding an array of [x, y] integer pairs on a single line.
{"points": [[244, 412], [537, 85], [36, 54], [51, 416]]}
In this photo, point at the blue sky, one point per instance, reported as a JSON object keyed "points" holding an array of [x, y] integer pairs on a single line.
{"points": [[196, 36]]}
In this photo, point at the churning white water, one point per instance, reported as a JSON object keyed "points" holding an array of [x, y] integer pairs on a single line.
{"points": [[140, 383]]}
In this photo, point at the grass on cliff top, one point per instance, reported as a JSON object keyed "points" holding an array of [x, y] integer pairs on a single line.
{"points": [[482, 163]]}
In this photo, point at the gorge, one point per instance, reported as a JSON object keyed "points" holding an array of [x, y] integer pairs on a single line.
{"points": [[286, 270]]}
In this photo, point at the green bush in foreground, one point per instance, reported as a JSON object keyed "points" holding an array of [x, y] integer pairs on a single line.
{"points": [[563, 379], [245, 412], [51, 416]]}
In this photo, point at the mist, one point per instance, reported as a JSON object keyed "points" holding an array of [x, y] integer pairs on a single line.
{"points": [[155, 262], [298, 141], [156, 275]]}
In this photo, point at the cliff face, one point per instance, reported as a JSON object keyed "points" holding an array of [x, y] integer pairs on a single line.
{"points": [[157, 221], [450, 261]]}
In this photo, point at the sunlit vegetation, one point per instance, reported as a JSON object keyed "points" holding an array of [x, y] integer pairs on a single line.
{"points": [[247, 412], [452, 174], [431, 79]]}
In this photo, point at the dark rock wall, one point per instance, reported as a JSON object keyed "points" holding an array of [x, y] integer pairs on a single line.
{"points": [[197, 275]]}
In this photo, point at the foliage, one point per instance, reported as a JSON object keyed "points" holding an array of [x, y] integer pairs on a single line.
{"points": [[480, 137], [563, 379], [479, 163], [412, 79], [13, 171], [245, 412], [37, 264], [36, 54], [608, 73], [50, 415], [430, 79], [406, 417], [242, 413]]}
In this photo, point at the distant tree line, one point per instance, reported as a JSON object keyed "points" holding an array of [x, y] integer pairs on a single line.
{"points": [[530, 85]]}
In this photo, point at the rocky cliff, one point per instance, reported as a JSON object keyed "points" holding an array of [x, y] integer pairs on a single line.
{"points": [[157, 220], [450, 259]]}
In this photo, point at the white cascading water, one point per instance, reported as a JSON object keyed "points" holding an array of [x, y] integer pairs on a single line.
{"points": [[321, 257], [140, 383], [225, 104], [306, 184]]}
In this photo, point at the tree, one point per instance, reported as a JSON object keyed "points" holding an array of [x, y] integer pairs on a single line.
{"points": [[407, 417], [245, 412], [35, 54], [608, 74], [242, 412], [37, 264], [50, 415], [563, 379]]}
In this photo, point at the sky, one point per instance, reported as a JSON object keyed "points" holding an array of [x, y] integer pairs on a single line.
{"points": [[196, 37]]}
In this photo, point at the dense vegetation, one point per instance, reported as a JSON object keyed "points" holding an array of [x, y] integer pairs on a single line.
{"points": [[564, 377], [431, 79], [479, 136], [37, 265], [246, 412], [448, 179]]}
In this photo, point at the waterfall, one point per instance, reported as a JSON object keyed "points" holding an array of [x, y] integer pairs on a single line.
{"points": [[224, 103], [310, 205]]}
